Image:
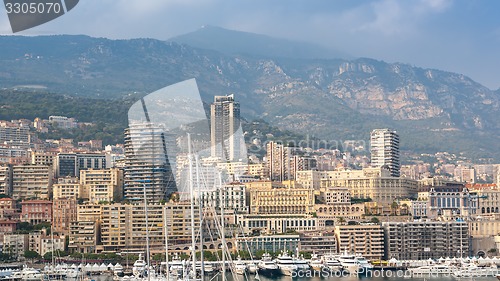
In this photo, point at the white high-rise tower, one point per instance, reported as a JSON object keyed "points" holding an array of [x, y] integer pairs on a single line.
{"points": [[384, 148]]}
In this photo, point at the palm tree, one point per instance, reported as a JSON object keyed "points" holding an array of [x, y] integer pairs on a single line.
{"points": [[394, 207], [341, 220]]}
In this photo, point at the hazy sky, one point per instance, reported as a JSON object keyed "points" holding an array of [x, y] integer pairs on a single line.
{"points": [[458, 36]]}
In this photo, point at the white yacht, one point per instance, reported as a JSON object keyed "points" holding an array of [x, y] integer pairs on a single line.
{"points": [[349, 263], [28, 274], [435, 269], [251, 267], [301, 263], [208, 268], [316, 263], [176, 266], [139, 268], [363, 265], [118, 270], [267, 267], [331, 263], [239, 266], [476, 271], [354, 264], [286, 264]]}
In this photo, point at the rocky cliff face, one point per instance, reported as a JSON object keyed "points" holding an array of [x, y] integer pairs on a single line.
{"points": [[331, 98]]}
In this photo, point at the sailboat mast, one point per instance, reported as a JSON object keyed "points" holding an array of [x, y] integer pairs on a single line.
{"points": [[200, 213], [222, 232], [167, 268], [147, 231], [191, 191]]}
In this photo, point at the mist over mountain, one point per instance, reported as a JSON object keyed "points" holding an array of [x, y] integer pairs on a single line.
{"points": [[232, 42], [335, 99]]}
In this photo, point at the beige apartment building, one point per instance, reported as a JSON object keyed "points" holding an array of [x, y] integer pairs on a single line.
{"points": [[43, 243], [5, 179], [67, 187], [365, 239], [484, 227], [337, 203], [488, 200], [381, 190], [374, 183], [276, 223], [102, 184], [64, 211], [31, 181], [123, 227], [270, 198], [84, 237], [43, 158], [89, 212], [15, 244]]}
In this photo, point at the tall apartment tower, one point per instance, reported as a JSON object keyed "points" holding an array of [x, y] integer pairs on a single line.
{"points": [[147, 164], [384, 148], [278, 161], [224, 124]]}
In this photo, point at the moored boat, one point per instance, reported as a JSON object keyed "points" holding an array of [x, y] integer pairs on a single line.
{"points": [[315, 263], [286, 264], [239, 266], [267, 267]]}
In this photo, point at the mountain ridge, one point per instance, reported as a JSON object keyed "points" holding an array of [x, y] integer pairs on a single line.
{"points": [[232, 42], [335, 99]]}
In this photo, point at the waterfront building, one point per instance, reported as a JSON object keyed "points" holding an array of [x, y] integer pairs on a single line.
{"points": [[318, 242], [364, 239], [484, 228], [274, 244], [124, 227], [276, 223], [42, 243], [422, 240], [178, 219]]}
